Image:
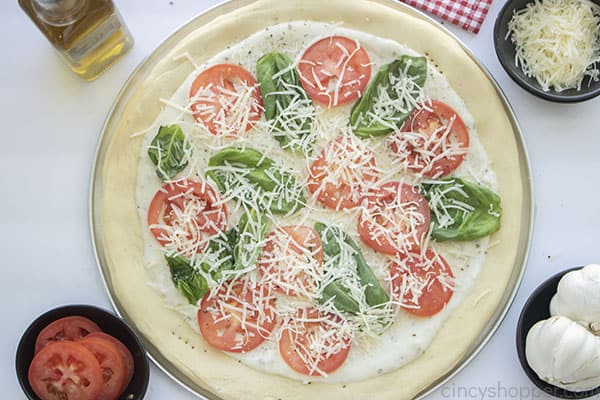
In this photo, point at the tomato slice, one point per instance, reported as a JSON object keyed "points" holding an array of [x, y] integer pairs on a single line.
{"points": [[433, 141], [335, 70], [238, 317], [291, 261], [123, 351], [423, 284], [65, 370], [68, 328], [395, 219], [225, 98], [111, 365], [314, 343], [342, 172], [186, 210]]}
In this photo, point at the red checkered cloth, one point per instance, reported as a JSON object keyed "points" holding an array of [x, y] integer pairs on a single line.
{"points": [[468, 14]]}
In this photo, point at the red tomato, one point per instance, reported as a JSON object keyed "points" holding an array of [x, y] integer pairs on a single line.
{"points": [[65, 370], [68, 328], [423, 284], [338, 183], [291, 260], [395, 219], [111, 364], [123, 351], [238, 317], [434, 140], [335, 70], [310, 330], [219, 99], [186, 210]]}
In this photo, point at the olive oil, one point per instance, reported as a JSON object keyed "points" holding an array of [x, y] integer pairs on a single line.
{"points": [[89, 34]]}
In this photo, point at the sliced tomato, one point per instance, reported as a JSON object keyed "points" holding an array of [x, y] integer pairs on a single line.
{"points": [[291, 260], [65, 370], [123, 351], [186, 209], [395, 218], [226, 99], [111, 364], [342, 172], [68, 328], [434, 140], [424, 284], [238, 317], [313, 343], [335, 70]]}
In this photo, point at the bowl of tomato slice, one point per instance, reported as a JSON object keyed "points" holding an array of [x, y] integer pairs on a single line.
{"points": [[81, 352]]}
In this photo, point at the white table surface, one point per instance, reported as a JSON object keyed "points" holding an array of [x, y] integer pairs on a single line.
{"points": [[50, 125]]}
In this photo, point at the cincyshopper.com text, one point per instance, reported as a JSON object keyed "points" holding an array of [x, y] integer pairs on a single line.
{"points": [[498, 391]]}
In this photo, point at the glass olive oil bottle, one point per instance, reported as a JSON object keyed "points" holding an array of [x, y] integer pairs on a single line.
{"points": [[89, 34]]}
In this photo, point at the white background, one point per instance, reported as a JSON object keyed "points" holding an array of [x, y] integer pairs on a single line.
{"points": [[49, 127]]}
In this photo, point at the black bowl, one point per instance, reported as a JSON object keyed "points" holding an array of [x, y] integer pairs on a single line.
{"points": [[109, 323], [505, 50], [537, 308]]}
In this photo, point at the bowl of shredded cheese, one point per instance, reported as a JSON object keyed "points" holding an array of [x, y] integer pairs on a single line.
{"points": [[551, 47]]}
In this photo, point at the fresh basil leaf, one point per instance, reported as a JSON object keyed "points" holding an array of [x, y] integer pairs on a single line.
{"points": [[374, 293], [401, 80], [251, 230], [169, 151], [341, 298], [332, 239], [187, 280], [288, 108], [462, 210], [216, 260], [270, 186]]}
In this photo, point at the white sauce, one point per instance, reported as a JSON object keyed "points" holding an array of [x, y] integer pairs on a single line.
{"points": [[409, 336]]}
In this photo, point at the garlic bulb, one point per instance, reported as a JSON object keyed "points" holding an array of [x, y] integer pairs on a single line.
{"points": [[564, 354], [578, 297]]}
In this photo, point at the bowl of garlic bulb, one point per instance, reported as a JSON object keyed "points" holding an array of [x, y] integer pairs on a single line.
{"points": [[558, 334]]}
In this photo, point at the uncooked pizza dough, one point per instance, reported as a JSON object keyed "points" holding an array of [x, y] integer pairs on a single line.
{"points": [[169, 332]]}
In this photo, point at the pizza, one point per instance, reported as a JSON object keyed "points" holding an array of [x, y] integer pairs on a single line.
{"points": [[320, 200], [313, 208]]}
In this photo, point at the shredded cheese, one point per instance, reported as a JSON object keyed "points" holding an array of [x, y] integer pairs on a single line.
{"points": [[557, 42]]}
